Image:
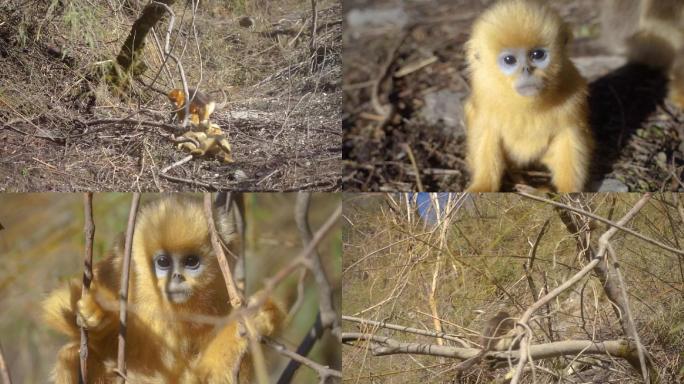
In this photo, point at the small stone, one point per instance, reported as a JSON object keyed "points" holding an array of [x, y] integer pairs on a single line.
{"points": [[240, 175], [444, 108], [612, 185]]}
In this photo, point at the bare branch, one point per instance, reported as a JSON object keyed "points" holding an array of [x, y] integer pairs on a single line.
{"points": [[605, 221], [89, 231], [523, 323], [381, 346], [324, 373], [328, 315], [402, 328], [123, 292], [236, 299]]}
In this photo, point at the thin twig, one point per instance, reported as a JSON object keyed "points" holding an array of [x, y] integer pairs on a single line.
{"points": [[123, 292], [232, 204], [328, 316], [402, 328], [236, 299], [89, 231], [324, 373], [630, 318], [605, 221], [412, 158], [525, 318]]}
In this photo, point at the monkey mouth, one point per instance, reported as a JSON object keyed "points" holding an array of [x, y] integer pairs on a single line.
{"points": [[528, 90], [178, 296]]}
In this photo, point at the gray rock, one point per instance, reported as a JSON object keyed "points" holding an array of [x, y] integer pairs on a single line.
{"points": [[612, 185], [240, 175], [444, 108], [363, 21]]}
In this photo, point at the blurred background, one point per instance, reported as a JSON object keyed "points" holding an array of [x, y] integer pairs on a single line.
{"points": [[42, 246]]}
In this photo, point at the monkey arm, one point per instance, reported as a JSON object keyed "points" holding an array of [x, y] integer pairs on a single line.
{"points": [[223, 361]]}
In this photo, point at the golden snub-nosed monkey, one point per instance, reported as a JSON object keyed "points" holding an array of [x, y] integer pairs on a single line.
{"points": [[528, 102]]}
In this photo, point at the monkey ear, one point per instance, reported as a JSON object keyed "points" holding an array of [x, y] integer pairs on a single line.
{"points": [[119, 245], [566, 35]]}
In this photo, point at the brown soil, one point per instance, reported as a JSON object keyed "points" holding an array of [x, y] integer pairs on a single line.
{"points": [[61, 128], [421, 144]]}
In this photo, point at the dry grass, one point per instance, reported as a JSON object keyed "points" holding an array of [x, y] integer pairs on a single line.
{"points": [[391, 255], [283, 100]]}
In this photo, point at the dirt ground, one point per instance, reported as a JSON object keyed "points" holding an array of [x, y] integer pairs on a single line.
{"points": [[410, 56], [63, 129]]}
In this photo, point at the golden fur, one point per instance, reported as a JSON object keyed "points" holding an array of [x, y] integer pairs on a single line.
{"points": [[211, 142], [201, 105], [652, 32], [506, 127], [164, 344]]}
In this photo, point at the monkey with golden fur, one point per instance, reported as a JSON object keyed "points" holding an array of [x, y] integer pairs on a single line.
{"points": [[175, 279], [211, 142], [201, 105], [652, 33], [528, 102]]}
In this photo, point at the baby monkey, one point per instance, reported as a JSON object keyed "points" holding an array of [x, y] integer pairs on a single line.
{"points": [[211, 142], [201, 105], [528, 102], [498, 335]]}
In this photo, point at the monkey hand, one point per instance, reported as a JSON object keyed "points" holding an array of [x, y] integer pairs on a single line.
{"points": [[268, 319], [89, 314]]}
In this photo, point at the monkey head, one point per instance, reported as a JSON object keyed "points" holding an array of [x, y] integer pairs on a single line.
{"points": [[172, 253], [520, 43]]}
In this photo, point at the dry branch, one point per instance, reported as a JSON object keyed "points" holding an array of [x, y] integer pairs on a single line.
{"points": [[525, 318], [324, 373], [382, 345], [328, 315], [123, 292], [236, 299], [603, 220], [89, 231], [402, 328]]}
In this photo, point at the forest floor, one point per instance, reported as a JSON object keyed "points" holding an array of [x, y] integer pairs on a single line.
{"points": [[409, 56], [62, 129]]}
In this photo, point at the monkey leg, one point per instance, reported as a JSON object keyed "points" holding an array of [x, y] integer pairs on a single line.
{"points": [[68, 366], [676, 93], [485, 160], [568, 159], [226, 154]]}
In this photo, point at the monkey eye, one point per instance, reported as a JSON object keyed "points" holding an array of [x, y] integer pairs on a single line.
{"points": [[538, 55], [163, 261], [192, 262], [510, 60]]}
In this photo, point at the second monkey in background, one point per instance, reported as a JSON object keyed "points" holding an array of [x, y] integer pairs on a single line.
{"points": [[528, 102]]}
